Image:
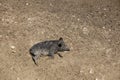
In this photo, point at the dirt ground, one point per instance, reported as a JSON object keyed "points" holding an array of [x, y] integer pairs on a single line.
{"points": [[91, 28]]}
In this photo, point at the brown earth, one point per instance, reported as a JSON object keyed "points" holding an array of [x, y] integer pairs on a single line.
{"points": [[91, 28]]}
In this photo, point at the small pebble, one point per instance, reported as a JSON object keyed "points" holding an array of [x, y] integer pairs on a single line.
{"points": [[3, 19], [18, 78], [104, 9], [91, 71], [12, 47], [0, 36], [29, 18], [51, 4], [15, 22], [109, 29], [96, 79], [103, 27], [85, 30], [78, 19], [43, 31], [27, 3], [73, 15], [109, 40]]}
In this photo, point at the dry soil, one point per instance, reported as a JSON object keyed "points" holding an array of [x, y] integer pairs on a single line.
{"points": [[91, 28]]}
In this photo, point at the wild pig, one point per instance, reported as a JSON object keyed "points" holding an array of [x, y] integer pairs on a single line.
{"points": [[48, 48]]}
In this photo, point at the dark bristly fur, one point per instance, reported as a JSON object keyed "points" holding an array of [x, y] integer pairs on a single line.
{"points": [[48, 48]]}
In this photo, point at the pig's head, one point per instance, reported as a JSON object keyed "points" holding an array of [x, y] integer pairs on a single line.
{"points": [[62, 46]]}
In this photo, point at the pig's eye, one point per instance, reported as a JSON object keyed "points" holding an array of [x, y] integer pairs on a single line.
{"points": [[60, 45]]}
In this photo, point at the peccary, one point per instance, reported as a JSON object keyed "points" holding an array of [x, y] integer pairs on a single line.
{"points": [[48, 48]]}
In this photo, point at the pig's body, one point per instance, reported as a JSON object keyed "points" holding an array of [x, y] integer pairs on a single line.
{"points": [[47, 48]]}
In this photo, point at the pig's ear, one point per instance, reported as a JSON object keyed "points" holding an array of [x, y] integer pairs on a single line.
{"points": [[61, 38], [60, 42]]}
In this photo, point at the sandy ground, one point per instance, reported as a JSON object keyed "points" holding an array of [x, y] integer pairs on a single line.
{"points": [[91, 28]]}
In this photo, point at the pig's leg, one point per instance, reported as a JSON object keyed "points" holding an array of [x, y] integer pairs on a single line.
{"points": [[51, 54], [35, 59], [52, 51], [59, 55]]}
